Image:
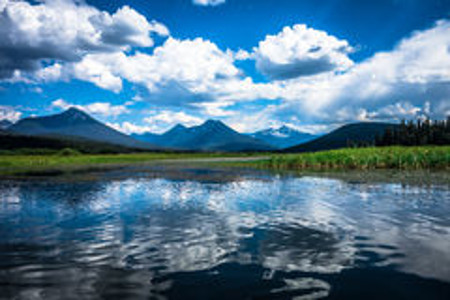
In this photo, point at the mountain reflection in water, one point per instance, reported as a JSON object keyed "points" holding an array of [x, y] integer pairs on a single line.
{"points": [[246, 236]]}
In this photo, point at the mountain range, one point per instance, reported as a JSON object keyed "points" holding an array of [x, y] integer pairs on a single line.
{"points": [[282, 137], [210, 136], [76, 124], [75, 128]]}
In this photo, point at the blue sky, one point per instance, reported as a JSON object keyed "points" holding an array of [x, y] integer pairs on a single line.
{"points": [[147, 65]]}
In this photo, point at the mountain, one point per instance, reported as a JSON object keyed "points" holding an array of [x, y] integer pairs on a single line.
{"points": [[169, 139], [343, 136], [4, 124], [75, 123], [282, 137], [210, 136]]}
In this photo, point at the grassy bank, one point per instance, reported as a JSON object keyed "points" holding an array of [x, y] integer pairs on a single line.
{"points": [[16, 164], [404, 158]]}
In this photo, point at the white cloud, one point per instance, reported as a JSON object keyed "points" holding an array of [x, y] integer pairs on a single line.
{"points": [[197, 74], [215, 109], [94, 69], [9, 113], [178, 72], [411, 81], [301, 51], [50, 73], [162, 120], [195, 64], [129, 128], [316, 83], [65, 31], [208, 2], [242, 55], [128, 27], [104, 109], [158, 122], [414, 74], [396, 111]]}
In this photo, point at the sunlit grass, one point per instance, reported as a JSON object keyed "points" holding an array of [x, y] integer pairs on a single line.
{"points": [[403, 158], [428, 157], [10, 164]]}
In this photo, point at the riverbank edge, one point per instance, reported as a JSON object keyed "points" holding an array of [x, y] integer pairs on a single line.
{"points": [[379, 158]]}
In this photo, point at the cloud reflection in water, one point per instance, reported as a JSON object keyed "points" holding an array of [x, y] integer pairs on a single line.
{"points": [[125, 235]]}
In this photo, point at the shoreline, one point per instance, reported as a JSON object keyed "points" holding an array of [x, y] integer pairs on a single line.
{"points": [[429, 158]]}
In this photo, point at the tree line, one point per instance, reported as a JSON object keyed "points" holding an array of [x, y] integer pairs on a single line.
{"points": [[416, 133]]}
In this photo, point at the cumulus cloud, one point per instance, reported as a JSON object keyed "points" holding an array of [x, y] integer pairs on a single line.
{"points": [[158, 121], [9, 113], [195, 64], [301, 51], [197, 74], [64, 31], [242, 55], [165, 119], [208, 2], [130, 128], [216, 109], [410, 80], [396, 111], [178, 72], [95, 68], [314, 81], [104, 109]]}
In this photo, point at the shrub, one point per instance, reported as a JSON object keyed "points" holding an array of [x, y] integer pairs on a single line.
{"points": [[68, 152]]}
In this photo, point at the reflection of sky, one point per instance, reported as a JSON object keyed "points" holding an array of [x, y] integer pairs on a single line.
{"points": [[284, 224]]}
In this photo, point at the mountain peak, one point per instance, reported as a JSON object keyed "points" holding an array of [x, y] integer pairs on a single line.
{"points": [[178, 127], [213, 123], [284, 128], [74, 113], [283, 136], [212, 135], [75, 123]]}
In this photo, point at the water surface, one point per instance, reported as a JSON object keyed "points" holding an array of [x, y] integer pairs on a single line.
{"points": [[212, 234]]}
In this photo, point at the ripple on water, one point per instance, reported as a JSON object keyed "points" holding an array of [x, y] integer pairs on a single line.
{"points": [[248, 237]]}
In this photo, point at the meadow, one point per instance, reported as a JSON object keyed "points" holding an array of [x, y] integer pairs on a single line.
{"points": [[68, 159], [393, 157]]}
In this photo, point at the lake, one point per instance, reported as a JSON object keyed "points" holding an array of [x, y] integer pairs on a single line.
{"points": [[201, 233]]}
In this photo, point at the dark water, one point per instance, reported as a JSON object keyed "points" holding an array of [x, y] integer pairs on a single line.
{"points": [[205, 234]]}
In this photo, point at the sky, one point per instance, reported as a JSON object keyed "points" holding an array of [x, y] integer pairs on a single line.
{"points": [[147, 65]]}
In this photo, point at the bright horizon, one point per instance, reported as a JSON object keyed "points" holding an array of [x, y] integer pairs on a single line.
{"points": [[148, 65]]}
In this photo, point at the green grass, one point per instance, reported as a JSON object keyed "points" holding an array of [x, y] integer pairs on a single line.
{"points": [[403, 158], [67, 160]]}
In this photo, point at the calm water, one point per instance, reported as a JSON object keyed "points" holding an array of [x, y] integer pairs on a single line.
{"points": [[204, 234]]}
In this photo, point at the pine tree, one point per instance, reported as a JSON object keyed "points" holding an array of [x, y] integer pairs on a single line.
{"points": [[417, 133]]}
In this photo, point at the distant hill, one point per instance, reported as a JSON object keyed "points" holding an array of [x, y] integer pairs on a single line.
{"points": [[75, 123], [4, 124], [343, 136], [15, 142], [210, 136], [282, 137]]}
